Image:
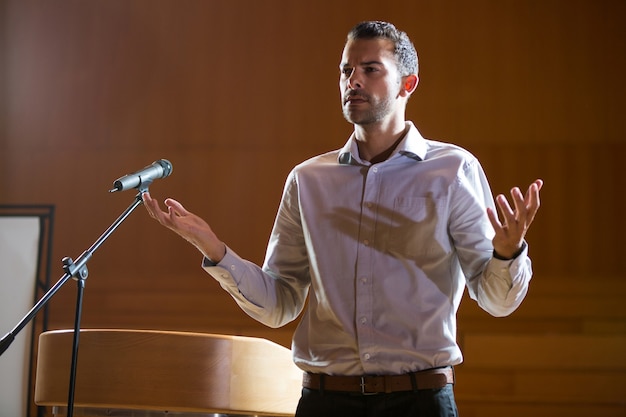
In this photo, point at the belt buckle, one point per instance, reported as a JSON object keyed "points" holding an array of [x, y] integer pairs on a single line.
{"points": [[363, 385]]}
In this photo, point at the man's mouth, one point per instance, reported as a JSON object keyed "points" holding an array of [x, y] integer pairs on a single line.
{"points": [[354, 99]]}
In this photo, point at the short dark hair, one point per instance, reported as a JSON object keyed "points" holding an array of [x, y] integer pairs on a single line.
{"points": [[404, 51]]}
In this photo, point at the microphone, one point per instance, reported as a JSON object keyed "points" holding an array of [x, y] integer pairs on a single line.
{"points": [[144, 177]]}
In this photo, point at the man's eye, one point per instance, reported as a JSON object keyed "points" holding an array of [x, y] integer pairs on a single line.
{"points": [[371, 69], [346, 71]]}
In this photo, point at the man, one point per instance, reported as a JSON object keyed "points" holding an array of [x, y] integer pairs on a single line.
{"points": [[383, 236]]}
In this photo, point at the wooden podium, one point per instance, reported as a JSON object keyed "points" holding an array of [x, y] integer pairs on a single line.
{"points": [[161, 372]]}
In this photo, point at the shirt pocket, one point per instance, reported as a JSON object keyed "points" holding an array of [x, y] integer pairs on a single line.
{"points": [[418, 228]]}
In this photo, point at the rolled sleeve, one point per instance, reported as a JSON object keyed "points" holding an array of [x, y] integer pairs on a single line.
{"points": [[505, 284]]}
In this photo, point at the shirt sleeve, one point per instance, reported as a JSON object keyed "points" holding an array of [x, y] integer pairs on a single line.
{"points": [[274, 294], [504, 284], [258, 293], [499, 286]]}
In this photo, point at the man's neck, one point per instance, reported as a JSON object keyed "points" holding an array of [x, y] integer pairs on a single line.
{"points": [[377, 142]]}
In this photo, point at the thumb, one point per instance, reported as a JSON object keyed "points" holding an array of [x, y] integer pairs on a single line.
{"points": [[175, 207]]}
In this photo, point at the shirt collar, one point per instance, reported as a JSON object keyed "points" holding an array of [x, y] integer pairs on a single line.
{"points": [[413, 146]]}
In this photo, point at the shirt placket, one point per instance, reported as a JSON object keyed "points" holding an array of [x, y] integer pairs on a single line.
{"points": [[364, 311]]}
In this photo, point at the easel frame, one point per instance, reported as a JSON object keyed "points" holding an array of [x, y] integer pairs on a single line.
{"points": [[45, 216]]}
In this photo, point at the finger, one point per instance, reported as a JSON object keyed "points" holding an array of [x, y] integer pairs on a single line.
{"points": [[493, 218], [533, 189], [146, 198], [507, 212], [154, 209], [152, 206], [175, 207], [532, 200], [519, 202]]}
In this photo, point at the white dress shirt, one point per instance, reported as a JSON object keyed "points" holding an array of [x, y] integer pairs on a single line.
{"points": [[384, 252]]}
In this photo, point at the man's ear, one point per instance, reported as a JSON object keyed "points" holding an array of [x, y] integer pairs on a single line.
{"points": [[410, 83]]}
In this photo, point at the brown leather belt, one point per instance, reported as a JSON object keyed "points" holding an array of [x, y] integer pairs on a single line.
{"points": [[428, 379]]}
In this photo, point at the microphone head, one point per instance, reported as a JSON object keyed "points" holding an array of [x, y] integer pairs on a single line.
{"points": [[166, 165]]}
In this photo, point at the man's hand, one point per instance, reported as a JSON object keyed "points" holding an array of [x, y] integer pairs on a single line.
{"points": [[510, 233], [187, 225]]}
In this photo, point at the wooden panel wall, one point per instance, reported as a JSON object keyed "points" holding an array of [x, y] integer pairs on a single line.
{"points": [[234, 93]]}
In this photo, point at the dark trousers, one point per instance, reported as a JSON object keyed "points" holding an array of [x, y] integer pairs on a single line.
{"points": [[421, 403]]}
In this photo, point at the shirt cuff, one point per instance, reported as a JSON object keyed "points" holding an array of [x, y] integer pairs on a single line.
{"points": [[515, 255], [208, 262], [223, 271]]}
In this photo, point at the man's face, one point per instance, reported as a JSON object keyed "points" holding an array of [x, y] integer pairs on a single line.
{"points": [[370, 82]]}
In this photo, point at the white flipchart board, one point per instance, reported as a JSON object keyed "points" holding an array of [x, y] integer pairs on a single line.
{"points": [[19, 266]]}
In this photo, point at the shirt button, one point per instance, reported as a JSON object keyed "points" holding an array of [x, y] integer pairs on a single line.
{"points": [[363, 280], [366, 242], [375, 169], [363, 320], [232, 267], [367, 356]]}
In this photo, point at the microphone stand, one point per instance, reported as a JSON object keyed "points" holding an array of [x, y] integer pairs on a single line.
{"points": [[78, 271]]}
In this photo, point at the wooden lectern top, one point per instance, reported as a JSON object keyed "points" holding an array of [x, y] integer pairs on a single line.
{"points": [[168, 371]]}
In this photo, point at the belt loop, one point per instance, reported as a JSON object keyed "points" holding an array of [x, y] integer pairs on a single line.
{"points": [[388, 385], [413, 381]]}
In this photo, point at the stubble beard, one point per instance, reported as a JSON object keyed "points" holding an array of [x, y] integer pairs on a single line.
{"points": [[376, 112]]}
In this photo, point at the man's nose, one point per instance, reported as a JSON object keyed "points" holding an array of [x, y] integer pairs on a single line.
{"points": [[354, 80]]}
